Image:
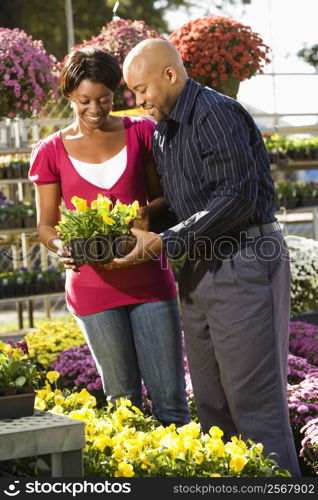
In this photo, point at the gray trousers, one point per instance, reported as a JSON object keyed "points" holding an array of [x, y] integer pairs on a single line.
{"points": [[235, 313]]}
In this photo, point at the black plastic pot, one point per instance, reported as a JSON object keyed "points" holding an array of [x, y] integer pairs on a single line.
{"points": [[309, 202], [11, 223], [8, 290], [17, 405], [123, 244], [29, 221], [94, 250], [24, 170]]}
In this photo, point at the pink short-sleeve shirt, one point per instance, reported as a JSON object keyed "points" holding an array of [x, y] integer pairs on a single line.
{"points": [[95, 289]]}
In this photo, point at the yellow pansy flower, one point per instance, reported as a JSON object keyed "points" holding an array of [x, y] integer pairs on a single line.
{"points": [[101, 443], [52, 376], [124, 470], [238, 462], [7, 349], [128, 219], [59, 400], [40, 404], [135, 206], [118, 452], [216, 432], [103, 202], [259, 447], [79, 203], [58, 410], [108, 220], [192, 429], [16, 354], [198, 457]]}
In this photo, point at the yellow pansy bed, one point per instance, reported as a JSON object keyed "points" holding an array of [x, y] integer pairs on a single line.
{"points": [[51, 338], [123, 442]]}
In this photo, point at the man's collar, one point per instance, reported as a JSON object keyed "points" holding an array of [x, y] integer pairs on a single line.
{"points": [[185, 102]]}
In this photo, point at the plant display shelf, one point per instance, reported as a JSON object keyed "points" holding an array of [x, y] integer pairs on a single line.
{"points": [[300, 216], [19, 230], [57, 442], [15, 180], [28, 300], [15, 151], [295, 165]]}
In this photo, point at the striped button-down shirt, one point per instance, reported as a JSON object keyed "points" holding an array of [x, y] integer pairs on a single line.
{"points": [[214, 168]]}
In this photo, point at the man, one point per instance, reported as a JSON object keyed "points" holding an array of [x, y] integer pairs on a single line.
{"points": [[235, 285]]}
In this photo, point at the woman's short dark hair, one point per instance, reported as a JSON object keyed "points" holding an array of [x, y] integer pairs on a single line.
{"points": [[92, 64]]}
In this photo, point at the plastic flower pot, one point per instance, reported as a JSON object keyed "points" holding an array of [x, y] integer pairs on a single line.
{"points": [[17, 405], [123, 244], [7, 290], [11, 223], [93, 250], [29, 221], [311, 201], [24, 170], [9, 174]]}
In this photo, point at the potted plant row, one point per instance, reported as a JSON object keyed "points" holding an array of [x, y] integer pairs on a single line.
{"points": [[281, 149], [18, 378], [291, 194], [16, 215], [15, 170], [26, 282], [97, 233]]}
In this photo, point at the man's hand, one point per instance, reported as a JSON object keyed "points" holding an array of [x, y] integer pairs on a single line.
{"points": [[148, 246], [143, 219]]}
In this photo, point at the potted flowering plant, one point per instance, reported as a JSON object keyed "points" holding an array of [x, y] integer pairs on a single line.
{"points": [[98, 233], [220, 53], [285, 194], [18, 377], [118, 37]]}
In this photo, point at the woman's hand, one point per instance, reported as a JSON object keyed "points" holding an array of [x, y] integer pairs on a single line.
{"points": [[65, 257]]}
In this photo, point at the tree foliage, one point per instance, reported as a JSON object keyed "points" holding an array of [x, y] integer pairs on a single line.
{"points": [[45, 20], [310, 55]]}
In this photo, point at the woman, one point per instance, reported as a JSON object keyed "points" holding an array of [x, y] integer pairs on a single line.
{"points": [[128, 316]]}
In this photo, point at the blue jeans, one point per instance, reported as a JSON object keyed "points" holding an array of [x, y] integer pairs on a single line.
{"points": [[140, 341]]}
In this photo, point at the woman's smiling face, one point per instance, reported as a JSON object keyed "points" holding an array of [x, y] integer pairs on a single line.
{"points": [[92, 103]]}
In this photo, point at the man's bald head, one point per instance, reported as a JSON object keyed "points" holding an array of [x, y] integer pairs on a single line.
{"points": [[154, 52], [154, 71]]}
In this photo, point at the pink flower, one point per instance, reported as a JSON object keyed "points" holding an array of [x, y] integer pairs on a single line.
{"points": [[25, 69], [303, 409], [118, 37]]}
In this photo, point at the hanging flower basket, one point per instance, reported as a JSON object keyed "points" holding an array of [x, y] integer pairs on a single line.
{"points": [[118, 37], [27, 76], [219, 52]]}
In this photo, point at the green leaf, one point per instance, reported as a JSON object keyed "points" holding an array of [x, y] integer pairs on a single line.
{"points": [[20, 381]]}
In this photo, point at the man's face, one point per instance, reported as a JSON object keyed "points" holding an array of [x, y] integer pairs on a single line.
{"points": [[152, 90]]}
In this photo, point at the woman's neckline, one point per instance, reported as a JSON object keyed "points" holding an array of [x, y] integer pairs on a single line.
{"points": [[123, 117], [103, 163]]}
